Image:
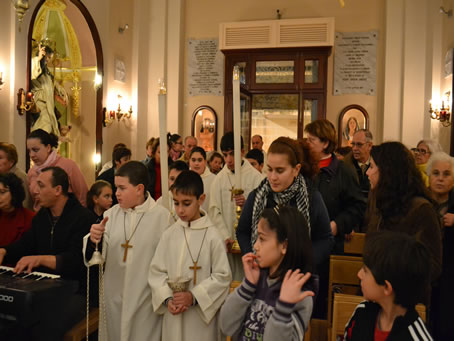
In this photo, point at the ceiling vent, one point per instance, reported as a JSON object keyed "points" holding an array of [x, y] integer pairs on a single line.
{"points": [[277, 33]]}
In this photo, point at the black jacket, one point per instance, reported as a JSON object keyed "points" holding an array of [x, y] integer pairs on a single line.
{"points": [[343, 198], [65, 242], [361, 326], [362, 178]]}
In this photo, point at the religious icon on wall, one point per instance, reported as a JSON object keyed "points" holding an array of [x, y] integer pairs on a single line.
{"points": [[351, 119], [204, 127]]}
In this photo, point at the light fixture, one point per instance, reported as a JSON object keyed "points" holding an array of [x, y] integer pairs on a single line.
{"points": [[21, 7], [121, 30], [1, 79], [96, 158], [24, 102], [120, 114], [441, 112], [448, 13], [97, 82], [109, 117]]}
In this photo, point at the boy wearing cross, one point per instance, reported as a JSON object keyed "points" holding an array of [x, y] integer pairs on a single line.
{"points": [[197, 255], [128, 237]]}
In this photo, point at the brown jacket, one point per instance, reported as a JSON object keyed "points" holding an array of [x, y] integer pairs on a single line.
{"points": [[421, 221]]}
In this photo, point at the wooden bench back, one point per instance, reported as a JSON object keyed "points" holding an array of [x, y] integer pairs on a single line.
{"points": [[343, 272]]}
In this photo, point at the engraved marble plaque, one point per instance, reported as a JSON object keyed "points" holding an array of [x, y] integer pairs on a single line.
{"points": [[355, 61]]}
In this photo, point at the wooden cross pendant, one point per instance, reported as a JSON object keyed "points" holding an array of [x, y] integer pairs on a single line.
{"points": [[195, 268], [126, 246]]}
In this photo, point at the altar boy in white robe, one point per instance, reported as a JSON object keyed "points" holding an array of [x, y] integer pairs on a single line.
{"points": [[223, 203], [191, 250], [128, 237]]}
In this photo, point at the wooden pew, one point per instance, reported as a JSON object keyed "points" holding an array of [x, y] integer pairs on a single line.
{"points": [[343, 272], [78, 332], [355, 245]]}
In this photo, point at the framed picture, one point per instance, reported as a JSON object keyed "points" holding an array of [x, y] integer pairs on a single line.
{"points": [[204, 127], [351, 119]]}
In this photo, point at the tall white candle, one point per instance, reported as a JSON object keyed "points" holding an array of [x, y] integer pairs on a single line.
{"points": [[237, 125], [162, 98]]}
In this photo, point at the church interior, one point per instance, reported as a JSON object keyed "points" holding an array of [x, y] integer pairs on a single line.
{"points": [[145, 41], [114, 60]]}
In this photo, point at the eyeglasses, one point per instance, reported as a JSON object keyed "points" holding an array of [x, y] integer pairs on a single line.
{"points": [[358, 144], [420, 151]]}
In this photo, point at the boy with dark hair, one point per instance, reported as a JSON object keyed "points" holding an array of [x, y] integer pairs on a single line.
{"points": [[128, 236], [198, 256], [175, 168], [109, 164], [120, 156], [394, 279], [223, 202], [255, 158]]}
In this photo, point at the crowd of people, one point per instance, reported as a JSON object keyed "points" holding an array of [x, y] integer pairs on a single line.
{"points": [[169, 266]]}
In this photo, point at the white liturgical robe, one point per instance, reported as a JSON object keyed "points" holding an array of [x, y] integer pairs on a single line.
{"points": [[172, 260], [207, 178], [127, 295], [222, 206]]}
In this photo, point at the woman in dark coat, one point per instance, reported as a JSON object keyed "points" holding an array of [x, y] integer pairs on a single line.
{"points": [[399, 199], [337, 183]]}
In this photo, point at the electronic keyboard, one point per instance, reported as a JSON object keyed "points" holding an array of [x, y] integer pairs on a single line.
{"points": [[20, 294]]}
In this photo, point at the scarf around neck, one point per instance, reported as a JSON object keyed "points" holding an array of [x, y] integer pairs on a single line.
{"points": [[296, 190]]}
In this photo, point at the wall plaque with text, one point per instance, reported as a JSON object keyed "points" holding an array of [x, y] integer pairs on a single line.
{"points": [[205, 68], [355, 61]]}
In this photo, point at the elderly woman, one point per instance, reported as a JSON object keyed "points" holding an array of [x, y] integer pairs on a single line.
{"points": [[400, 201], [424, 149], [8, 164], [440, 169], [14, 219], [41, 147]]}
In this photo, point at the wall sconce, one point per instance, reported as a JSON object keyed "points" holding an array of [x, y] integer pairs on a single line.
{"points": [[109, 117], [448, 13], [443, 112], [25, 102], [97, 82], [120, 114], [21, 7], [122, 30], [1, 79]]}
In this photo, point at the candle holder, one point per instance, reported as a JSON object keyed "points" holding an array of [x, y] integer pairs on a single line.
{"points": [[179, 284], [25, 102], [441, 113], [235, 246]]}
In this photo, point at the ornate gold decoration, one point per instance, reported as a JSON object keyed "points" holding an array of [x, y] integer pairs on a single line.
{"points": [[21, 7], [238, 209], [76, 93]]}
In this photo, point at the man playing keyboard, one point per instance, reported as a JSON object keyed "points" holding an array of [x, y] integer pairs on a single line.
{"points": [[53, 245]]}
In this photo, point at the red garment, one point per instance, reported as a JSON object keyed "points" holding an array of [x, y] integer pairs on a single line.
{"points": [[380, 335], [325, 162], [14, 224], [157, 186]]}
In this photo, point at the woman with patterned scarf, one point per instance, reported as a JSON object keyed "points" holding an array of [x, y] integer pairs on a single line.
{"points": [[290, 168]]}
